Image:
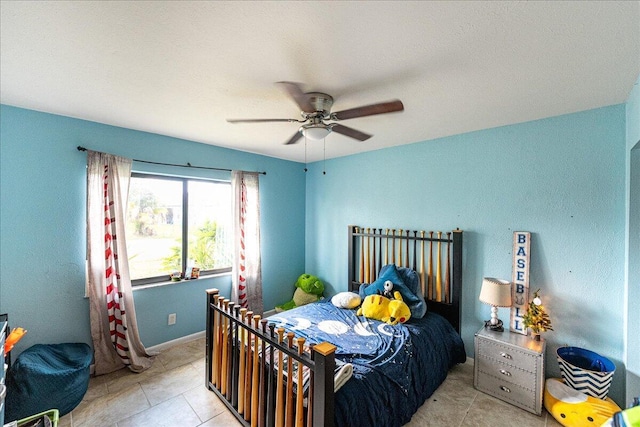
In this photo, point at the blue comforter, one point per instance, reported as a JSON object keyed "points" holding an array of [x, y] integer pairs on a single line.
{"points": [[395, 368]]}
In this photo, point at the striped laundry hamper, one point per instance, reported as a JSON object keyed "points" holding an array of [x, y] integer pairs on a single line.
{"points": [[586, 371]]}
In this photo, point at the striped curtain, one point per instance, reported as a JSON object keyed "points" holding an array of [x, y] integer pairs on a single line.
{"points": [[247, 268], [114, 328]]}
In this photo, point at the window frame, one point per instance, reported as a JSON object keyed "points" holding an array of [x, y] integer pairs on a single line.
{"points": [[185, 227]]}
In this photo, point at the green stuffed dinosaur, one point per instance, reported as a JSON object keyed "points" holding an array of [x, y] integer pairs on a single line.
{"points": [[308, 289]]}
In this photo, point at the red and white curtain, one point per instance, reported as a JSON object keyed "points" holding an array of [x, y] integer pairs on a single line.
{"points": [[114, 329], [247, 269]]}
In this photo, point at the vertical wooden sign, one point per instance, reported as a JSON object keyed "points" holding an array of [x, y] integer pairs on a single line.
{"points": [[520, 279]]}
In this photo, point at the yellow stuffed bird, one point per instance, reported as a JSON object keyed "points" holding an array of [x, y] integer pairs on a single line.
{"points": [[382, 308], [572, 408]]}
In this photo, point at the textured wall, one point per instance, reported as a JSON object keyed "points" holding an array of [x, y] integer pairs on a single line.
{"points": [[561, 178], [42, 225], [633, 241]]}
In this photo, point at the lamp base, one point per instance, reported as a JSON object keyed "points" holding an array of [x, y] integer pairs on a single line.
{"points": [[498, 327]]}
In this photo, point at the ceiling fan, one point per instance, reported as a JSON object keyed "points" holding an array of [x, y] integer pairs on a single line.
{"points": [[316, 111]]}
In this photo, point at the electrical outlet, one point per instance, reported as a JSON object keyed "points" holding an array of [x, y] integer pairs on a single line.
{"points": [[172, 319]]}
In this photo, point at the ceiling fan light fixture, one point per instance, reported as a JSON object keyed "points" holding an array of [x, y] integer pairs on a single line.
{"points": [[315, 132]]}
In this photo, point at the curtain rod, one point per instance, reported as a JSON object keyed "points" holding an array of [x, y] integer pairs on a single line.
{"points": [[188, 165]]}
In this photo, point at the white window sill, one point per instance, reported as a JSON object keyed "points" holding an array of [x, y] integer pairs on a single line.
{"points": [[172, 283]]}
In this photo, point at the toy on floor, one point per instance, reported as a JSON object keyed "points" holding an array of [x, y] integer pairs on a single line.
{"points": [[628, 418], [382, 308], [572, 408], [308, 289]]}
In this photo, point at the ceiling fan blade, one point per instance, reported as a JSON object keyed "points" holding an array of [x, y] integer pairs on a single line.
{"points": [[262, 120], [369, 110], [302, 99], [294, 138], [350, 132]]}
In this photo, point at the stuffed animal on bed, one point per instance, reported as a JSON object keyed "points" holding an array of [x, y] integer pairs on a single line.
{"points": [[388, 289], [308, 289], [404, 280], [349, 300], [382, 308]]}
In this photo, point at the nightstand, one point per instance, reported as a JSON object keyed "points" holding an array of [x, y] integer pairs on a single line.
{"points": [[510, 366]]}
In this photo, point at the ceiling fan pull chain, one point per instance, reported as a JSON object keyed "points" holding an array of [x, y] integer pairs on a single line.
{"points": [[305, 154], [324, 156]]}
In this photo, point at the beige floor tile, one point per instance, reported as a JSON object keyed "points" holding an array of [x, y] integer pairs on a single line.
{"points": [[107, 410], [200, 366], [97, 388], [182, 354], [173, 393], [171, 413], [65, 421], [169, 384], [463, 372], [115, 374], [551, 422], [205, 403], [88, 410], [124, 378], [225, 419], [490, 412], [448, 405], [199, 344]]}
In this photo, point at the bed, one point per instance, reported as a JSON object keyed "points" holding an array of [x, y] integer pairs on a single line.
{"points": [[284, 370]]}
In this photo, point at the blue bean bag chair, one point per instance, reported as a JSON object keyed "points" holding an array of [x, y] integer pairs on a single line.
{"points": [[44, 377]]}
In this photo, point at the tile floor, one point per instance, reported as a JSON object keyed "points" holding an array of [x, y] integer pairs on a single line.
{"points": [[172, 394]]}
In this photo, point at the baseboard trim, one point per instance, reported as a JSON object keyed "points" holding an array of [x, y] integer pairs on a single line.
{"points": [[163, 346], [181, 340]]}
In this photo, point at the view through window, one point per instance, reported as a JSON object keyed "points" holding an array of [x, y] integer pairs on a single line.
{"points": [[174, 224]]}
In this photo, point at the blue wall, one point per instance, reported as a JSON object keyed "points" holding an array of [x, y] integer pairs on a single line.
{"points": [[633, 116], [560, 178], [633, 242], [42, 225]]}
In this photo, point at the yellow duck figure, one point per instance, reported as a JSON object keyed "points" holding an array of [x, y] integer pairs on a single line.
{"points": [[572, 408]]}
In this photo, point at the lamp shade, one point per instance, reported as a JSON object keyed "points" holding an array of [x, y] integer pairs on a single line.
{"points": [[496, 292]]}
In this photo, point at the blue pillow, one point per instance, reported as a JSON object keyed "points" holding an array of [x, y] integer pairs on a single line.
{"points": [[412, 298], [411, 279]]}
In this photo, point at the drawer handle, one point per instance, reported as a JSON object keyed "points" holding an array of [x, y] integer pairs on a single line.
{"points": [[505, 355], [503, 372], [503, 388]]}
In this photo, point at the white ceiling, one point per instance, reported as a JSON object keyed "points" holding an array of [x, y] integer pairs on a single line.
{"points": [[181, 68]]}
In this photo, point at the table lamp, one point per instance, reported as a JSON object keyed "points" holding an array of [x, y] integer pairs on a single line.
{"points": [[497, 293]]}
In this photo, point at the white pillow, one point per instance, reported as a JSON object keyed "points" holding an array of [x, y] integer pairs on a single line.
{"points": [[346, 300]]}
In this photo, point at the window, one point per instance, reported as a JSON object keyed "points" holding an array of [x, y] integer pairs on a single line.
{"points": [[174, 224]]}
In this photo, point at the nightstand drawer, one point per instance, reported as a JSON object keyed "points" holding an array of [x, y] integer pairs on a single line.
{"points": [[510, 366], [510, 355], [506, 372], [507, 391]]}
